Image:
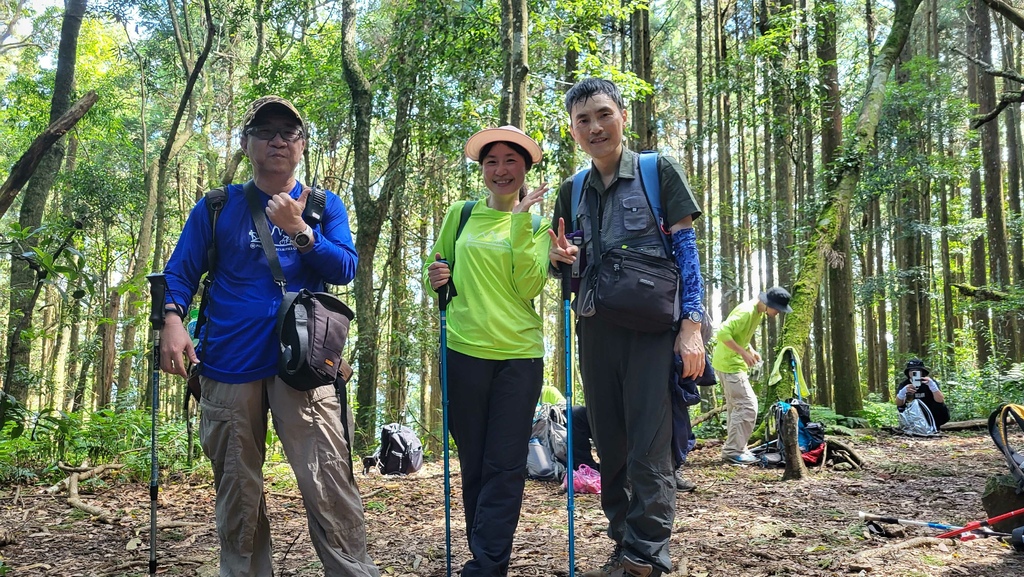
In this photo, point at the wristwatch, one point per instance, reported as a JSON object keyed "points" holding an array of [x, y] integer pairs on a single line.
{"points": [[303, 239], [695, 317]]}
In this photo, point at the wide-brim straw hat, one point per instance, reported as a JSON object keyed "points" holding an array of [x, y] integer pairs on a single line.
{"points": [[506, 133]]}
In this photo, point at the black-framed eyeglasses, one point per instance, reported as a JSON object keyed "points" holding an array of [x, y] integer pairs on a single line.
{"points": [[290, 133]]}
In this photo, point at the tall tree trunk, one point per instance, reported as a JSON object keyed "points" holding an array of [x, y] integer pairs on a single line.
{"points": [[643, 108], [840, 273], [979, 314], [398, 382], [370, 213], [34, 198], [991, 160], [108, 351], [726, 227], [805, 289], [515, 52], [881, 339]]}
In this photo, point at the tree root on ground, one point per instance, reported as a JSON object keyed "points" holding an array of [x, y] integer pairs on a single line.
{"points": [[908, 544], [80, 474]]}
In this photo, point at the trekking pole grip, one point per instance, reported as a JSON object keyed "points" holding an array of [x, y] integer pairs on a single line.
{"points": [[566, 270], [158, 292], [444, 292]]}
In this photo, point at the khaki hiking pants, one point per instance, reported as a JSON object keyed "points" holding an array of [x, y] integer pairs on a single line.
{"points": [[233, 430], [741, 411]]}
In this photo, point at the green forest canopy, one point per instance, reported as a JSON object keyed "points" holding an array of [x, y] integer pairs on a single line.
{"points": [[739, 92]]}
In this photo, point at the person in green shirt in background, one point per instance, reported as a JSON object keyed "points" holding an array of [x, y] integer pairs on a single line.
{"points": [[495, 340], [732, 357]]}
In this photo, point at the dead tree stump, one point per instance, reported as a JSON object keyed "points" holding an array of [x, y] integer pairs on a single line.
{"points": [[1000, 497], [795, 467]]}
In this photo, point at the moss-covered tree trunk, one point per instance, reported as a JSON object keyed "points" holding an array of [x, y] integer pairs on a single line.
{"points": [[817, 251]]}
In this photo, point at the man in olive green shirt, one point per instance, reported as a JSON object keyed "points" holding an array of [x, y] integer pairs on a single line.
{"points": [[733, 356]]}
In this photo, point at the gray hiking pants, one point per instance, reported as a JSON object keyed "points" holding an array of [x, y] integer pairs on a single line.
{"points": [[233, 430], [629, 406]]}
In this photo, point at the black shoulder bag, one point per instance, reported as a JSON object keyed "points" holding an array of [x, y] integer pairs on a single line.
{"points": [[312, 327]]}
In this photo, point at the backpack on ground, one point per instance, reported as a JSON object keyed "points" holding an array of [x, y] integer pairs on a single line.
{"points": [[810, 435], [1000, 422], [400, 451], [916, 420], [548, 440]]}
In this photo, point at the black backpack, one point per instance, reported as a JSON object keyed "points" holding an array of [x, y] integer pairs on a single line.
{"points": [[400, 451], [999, 423]]}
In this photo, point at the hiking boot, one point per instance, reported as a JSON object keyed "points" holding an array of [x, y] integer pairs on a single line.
{"points": [[611, 568], [744, 458], [633, 566], [683, 485]]}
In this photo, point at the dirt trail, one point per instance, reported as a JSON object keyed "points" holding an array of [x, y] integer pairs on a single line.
{"points": [[742, 521]]}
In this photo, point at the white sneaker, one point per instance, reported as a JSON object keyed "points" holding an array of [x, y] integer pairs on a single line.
{"points": [[744, 458]]}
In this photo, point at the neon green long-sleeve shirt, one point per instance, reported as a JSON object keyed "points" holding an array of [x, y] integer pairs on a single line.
{"points": [[740, 326], [500, 265]]}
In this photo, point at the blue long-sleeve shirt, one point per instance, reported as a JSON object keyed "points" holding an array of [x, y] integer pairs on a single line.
{"points": [[240, 343]]}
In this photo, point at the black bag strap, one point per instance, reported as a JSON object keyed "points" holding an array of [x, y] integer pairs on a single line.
{"points": [[215, 200], [298, 332], [259, 219]]}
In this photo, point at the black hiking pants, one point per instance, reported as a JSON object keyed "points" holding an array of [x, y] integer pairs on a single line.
{"points": [[492, 404], [626, 386]]}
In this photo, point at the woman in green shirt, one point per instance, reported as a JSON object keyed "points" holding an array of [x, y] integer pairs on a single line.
{"points": [[495, 343]]}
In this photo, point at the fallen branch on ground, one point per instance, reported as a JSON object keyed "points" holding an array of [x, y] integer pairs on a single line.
{"points": [[909, 544], [705, 416], [84, 472]]}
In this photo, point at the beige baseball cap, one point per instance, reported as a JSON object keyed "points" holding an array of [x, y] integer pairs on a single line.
{"points": [[265, 103]]}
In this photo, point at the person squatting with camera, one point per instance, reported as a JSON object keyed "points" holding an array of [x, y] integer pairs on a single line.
{"points": [[239, 348], [916, 384]]}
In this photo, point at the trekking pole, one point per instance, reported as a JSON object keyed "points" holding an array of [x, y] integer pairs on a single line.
{"points": [[975, 525], [868, 517], [570, 504], [157, 292], [443, 297], [796, 376]]}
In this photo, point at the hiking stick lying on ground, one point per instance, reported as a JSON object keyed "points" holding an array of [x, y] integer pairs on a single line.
{"points": [[975, 533], [975, 525]]}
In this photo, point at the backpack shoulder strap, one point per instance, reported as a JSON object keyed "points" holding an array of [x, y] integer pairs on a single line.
{"points": [[651, 183], [464, 214], [316, 203], [215, 201], [577, 193], [467, 210]]}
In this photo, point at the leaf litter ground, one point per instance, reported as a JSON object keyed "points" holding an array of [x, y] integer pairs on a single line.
{"points": [[741, 521]]}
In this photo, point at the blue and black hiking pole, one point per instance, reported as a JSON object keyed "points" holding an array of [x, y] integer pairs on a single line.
{"points": [[157, 292], [445, 293], [570, 505]]}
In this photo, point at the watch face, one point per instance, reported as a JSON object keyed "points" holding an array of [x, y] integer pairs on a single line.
{"points": [[696, 317], [301, 240]]}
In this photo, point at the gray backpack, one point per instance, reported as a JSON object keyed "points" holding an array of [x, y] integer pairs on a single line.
{"points": [[548, 440]]}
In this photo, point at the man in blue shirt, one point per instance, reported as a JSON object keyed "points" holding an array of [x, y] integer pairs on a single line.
{"points": [[239, 349]]}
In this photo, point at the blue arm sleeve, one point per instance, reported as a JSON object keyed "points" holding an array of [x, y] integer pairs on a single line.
{"points": [[684, 249]]}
